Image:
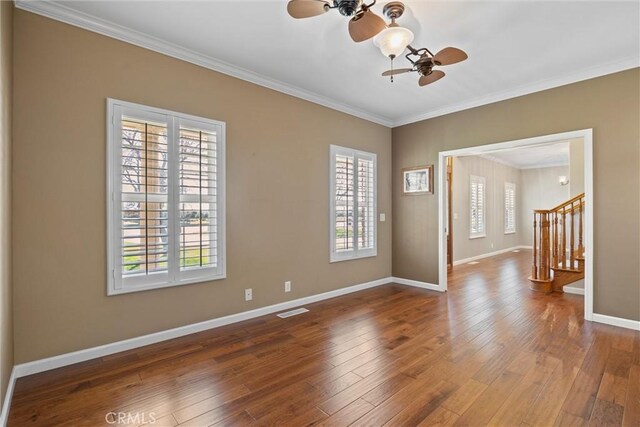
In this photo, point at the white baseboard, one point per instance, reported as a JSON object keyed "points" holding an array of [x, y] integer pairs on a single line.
{"points": [[617, 321], [568, 289], [576, 288], [54, 362], [417, 284], [6, 403], [490, 254]]}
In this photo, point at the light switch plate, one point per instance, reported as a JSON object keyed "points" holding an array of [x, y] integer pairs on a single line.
{"points": [[383, 217]]}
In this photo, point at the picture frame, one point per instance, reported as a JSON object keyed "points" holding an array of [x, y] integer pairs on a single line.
{"points": [[417, 180]]}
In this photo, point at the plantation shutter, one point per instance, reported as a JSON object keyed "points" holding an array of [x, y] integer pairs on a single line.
{"points": [[198, 188], [509, 207], [477, 201], [344, 202], [144, 193], [166, 208], [353, 203], [366, 204]]}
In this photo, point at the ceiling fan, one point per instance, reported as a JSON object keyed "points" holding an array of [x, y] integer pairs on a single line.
{"points": [[423, 61], [363, 25], [392, 39]]}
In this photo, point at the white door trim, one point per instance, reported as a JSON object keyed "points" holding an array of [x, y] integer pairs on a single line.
{"points": [[587, 137]]}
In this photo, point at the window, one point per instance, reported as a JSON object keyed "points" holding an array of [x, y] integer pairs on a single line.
{"points": [[165, 198], [509, 208], [477, 202], [353, 197]]}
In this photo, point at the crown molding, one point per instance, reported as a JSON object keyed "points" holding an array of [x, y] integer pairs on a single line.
{"points": [[59, 12], [585, 74], [551, 165], [515, 166], [73, 17]]}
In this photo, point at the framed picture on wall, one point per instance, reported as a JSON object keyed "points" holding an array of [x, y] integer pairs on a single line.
{"points": [[418, 180]]}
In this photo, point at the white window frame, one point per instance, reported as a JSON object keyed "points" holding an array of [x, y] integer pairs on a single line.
{"points": [[478, 180], [510, 186], [356, 253], [173, 277]]}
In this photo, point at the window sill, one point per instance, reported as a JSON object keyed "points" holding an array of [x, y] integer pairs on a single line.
{"points": [[131, 289], [339, 258], [478, 236]]}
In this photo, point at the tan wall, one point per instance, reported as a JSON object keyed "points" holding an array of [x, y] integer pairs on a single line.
{"points": [[495, 174], [610, 105], [277, 181], [540, 189], [576, 167], [6, 70]]}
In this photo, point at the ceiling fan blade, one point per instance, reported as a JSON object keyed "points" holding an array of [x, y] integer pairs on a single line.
{"points": [[306, 8], [398, 71], [449, 55], [365, 25], [430, 78]]}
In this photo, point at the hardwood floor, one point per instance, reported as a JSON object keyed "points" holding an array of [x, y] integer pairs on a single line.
{"points": [[489, 352]]}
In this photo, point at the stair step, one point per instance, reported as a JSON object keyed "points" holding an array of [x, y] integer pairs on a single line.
{"points": [[564, 277], [568, 270]]}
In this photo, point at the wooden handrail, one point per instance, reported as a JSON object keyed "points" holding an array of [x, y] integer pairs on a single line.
{"points": [[568, 202], [565, 205]]}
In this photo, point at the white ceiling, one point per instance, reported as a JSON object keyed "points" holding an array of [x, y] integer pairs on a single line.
{"points": [[538, 156], [514, 47]]}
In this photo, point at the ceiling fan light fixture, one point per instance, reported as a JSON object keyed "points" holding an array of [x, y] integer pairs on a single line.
{"points": [[393, 40]]}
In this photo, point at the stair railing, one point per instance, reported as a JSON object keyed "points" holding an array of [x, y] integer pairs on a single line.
{"points": [[553, 231]]}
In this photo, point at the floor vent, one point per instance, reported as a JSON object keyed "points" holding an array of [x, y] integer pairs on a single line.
{"points": [[292, 313], [474, 262], [516, 251]]}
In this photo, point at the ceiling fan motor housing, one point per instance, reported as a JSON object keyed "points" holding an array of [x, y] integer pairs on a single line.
{"points": [[348, 7], [424, 65]]}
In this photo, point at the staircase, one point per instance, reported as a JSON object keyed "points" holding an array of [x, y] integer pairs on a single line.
{"points": [[558, 252]]}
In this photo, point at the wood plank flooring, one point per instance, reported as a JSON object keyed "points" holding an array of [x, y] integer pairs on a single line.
{"points": [[489, 352]]}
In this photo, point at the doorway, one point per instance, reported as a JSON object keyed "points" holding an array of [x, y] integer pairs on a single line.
{"points": [[446, 211]]}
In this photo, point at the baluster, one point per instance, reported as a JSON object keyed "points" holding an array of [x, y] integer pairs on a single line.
{"points": [[559, 242], [572, 254], [564, 238], [542, 272], [534, 270], [580, 247], [544, 246], [555, 239], [552, 240], [548, 244]]}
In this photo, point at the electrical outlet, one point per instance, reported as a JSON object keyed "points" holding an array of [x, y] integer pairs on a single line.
{"points": [[287, 286], [248, 294], [383, 217], [492, 246]]}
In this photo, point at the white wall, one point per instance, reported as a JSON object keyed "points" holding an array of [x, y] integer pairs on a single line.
{"points": [[496, 174], [540, 189]]}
